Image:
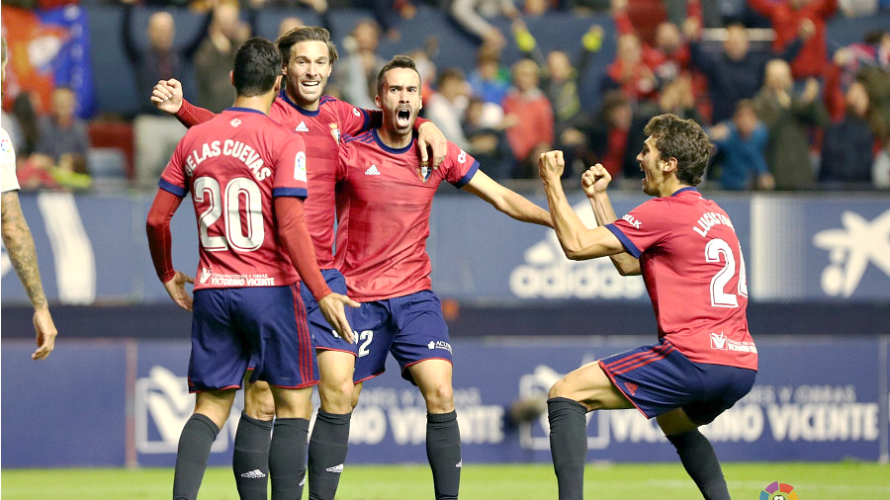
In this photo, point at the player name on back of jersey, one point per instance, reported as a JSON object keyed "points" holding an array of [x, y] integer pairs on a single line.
{"points": [[235, 149], [709, 220]]}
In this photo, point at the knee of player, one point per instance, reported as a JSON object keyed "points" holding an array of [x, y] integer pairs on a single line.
{"points": [[440, 398], [560, 389], [337, 398], [259, 404]]}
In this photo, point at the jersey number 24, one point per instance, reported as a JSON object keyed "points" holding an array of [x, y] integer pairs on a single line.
{"points": [[719, 250]]}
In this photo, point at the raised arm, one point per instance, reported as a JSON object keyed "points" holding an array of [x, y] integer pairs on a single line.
{"points": [[594, 182], [20, 248], [506, 200], [577, 240], [167, 97]]}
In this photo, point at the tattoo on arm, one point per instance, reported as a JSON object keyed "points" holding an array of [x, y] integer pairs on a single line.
{"points": [[20, 247]]}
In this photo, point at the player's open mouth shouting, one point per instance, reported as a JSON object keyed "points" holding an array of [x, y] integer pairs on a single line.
{"points": [[403, 117]]}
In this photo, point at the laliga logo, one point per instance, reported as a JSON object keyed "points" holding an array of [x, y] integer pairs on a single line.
{"points": [[778, 491], [851, 249]]}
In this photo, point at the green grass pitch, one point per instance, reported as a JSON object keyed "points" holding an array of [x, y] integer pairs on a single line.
{"points": [[811, 481]]}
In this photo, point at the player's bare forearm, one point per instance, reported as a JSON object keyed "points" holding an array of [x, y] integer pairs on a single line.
{"points": [[625, 263], [20, 247], [507, 200], [577, 240]]}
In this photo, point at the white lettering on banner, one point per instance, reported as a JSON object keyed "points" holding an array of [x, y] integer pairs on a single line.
{"points": [[403, 413], [851, 249], [548, 274], [809, 413], [824, 422]]}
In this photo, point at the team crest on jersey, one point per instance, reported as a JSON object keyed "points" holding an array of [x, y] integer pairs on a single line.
{"points": [[424, 172], [235, 122], [335, 131]]}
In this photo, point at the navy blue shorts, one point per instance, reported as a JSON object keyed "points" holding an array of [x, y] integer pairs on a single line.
{"points": [[412, 328], [231, 326], [323, 336], [659, 378]]}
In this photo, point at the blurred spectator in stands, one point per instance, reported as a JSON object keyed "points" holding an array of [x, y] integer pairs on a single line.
{"points": [[742, 146], [789, 117], [446, 106], [216, 54], [12, 127], [60, 158], [489, 80], [737, 72], [559, 81], [786, 17], [535, 8], [487, 142], [608, 136], [63, 136], [357, 71], [471, 16], [23, 109], [156, 135], [670, 54], [873, 51], [289, 23], [628, 72], [387, 13], [530, 118], [848, 146]]}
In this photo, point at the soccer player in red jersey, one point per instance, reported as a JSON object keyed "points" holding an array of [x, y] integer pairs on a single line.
{"points": [[308, 54], [247, 175], [689, 255], [382, 254]]}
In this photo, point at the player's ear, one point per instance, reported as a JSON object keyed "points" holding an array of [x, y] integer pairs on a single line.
{"points": [[232, 77], [277, 86], [378, 101]]}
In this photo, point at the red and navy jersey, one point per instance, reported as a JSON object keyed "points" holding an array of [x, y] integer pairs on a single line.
{"points": [[389, 196], [321, 130], [694, 271], [234, 165]]}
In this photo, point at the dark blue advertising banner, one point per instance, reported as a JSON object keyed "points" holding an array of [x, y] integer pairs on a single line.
{"points": [[124, 403], [796, 248]]}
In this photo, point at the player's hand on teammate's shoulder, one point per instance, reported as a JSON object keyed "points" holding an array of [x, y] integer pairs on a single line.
{"points": [[175, 287], [167, 96], [431, 141], [551, 165], [595, 180], [333, 308]]}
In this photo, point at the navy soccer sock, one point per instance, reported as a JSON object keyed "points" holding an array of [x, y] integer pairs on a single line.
{"points": [[568, 445], [191, 457], [327, 453], [701, 463], [443, 453], [250, 461], [287, 458]]}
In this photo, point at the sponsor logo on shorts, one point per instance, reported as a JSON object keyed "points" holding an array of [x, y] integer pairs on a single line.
{"points": [[439, 344], [778, 491]]}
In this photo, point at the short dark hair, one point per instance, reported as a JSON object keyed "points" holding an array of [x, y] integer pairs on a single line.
{"points": [[306, 34], [396, 62], [684, 140], [257, 66], [450, 74]]}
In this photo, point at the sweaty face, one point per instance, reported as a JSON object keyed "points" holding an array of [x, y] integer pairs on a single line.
{"points": [[308, 69], [650, 159], [400, 100]]}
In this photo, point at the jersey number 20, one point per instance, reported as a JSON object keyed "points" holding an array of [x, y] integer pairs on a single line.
{"points": [[715, 251], [228, 206]]}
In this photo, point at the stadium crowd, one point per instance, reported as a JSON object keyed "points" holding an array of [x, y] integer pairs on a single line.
{"points": [[785, 109]]}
